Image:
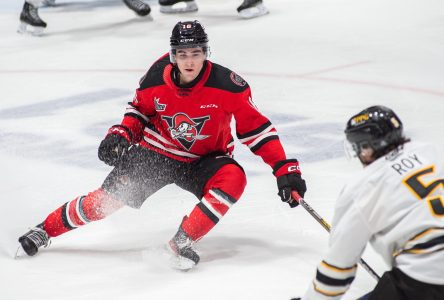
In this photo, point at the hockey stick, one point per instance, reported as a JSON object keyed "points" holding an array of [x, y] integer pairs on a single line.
{"points": [[327, 227]]}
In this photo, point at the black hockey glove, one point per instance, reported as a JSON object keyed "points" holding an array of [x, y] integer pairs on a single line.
{"points": [[114, 146], [289, 179]]}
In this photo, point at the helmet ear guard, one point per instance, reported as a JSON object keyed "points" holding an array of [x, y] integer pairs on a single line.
{"points": [[376, 127]]}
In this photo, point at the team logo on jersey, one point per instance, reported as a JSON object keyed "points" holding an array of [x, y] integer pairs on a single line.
{"points": [[159, 106], [237, 79], [186, 130]]}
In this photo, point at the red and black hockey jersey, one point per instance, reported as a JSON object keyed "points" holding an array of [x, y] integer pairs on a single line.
{"points": [[188, 123]]}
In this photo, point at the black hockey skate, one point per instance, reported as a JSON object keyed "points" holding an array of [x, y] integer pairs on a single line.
{"points": [[30, 21], [31, 241], [140, 8], [251, 9], [177, 6], [185, 257]]}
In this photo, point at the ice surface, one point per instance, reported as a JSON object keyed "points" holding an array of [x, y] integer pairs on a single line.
{"points": [[311, 64]]}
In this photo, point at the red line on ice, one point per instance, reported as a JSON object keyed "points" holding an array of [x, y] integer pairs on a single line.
{"points": [[305, 76]]}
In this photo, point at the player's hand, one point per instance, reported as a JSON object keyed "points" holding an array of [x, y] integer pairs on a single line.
{"points": [[288, 175], [113, 148]]}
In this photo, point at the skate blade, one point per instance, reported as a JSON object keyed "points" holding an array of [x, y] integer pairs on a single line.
{"points": [[25, 28], [181, 7], [254, 12], [179, 262], [148, 18], [20, 253]]}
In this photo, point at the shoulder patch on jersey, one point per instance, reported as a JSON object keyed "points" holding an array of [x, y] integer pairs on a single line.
{"points": [[154, 76], [237, 79], [224, 79]]}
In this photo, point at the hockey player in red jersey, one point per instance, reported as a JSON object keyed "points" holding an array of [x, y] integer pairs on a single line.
{"points": [[177, 130]]}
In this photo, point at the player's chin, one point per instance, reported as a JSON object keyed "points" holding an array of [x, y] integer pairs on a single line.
{"points": [[191, 75]]}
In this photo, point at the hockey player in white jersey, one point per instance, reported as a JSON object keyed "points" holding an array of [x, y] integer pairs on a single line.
{"points": [[397, 204]]}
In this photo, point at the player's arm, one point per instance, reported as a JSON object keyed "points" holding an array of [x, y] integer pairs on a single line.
{"points": [[130, 131], [139, 111], [256, 131], [348, 238], [137, 116]]}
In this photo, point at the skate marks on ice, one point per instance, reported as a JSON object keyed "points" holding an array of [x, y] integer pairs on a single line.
{"points": [[107, 28], [242, 250], [308, 139], [35, 144], [162, 259], [218, 251], [305, 138], [55, 106]]}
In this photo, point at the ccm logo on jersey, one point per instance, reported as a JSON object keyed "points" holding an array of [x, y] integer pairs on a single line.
{"points": [[292, 169], [115, 129], [209, 106]]}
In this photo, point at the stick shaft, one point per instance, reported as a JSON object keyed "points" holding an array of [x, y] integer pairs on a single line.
{"points": [[327, 227]]}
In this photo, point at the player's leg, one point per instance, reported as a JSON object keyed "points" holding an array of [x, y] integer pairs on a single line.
{"points": [[177, 6], [30, 20], [128, 184], [139, 7], [221, 192], [73, 214], [396, 285], [223, 184]]}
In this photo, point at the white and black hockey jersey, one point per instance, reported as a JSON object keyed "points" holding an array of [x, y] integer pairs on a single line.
{"points": [[397, 204]]}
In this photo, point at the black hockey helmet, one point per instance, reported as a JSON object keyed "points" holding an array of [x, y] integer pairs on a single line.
{"points": [[377, 127], [188, 34]]}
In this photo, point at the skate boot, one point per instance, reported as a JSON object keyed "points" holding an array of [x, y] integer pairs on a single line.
{"points": [[251, 9], [30, 21], [31, 241], [140, 8], [177, 6], [184, 256]]}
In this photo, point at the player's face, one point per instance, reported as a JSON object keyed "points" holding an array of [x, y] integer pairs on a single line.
{"points": [[366, 154], [190, 62]]}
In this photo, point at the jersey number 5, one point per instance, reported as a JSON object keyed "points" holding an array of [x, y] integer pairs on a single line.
{"points": [[423, 190]]}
